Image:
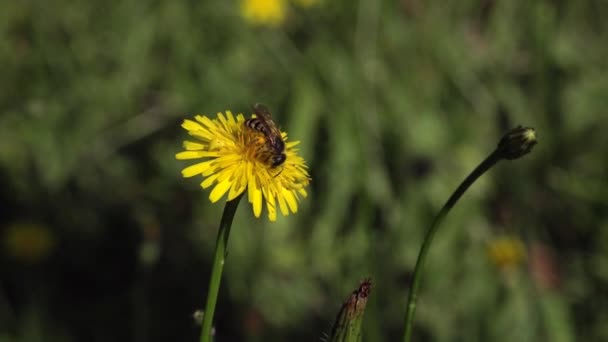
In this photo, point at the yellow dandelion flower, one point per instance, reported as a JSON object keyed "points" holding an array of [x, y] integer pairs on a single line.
{"points": [[506, 252], [264, 12], [236, 159]]}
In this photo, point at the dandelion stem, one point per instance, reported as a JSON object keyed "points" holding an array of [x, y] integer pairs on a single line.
{"points": [[218, 266], [513, 145], [485, 165]]}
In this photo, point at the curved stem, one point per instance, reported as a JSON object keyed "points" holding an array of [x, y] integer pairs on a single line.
{"points": [[485, 165], [218, 267]]}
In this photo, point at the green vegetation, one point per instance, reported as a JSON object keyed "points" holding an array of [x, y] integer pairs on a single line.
{"points": [[394, 103]]}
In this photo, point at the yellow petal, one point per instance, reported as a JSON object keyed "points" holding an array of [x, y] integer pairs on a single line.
{"points": [[283, 205], [190, 125], [213, 168], [272, 209], [269, 195], [195, 169], [219, 191], [193, 146], [209, 181], [231, 120], [216, 144], [292, 144], [227, 173], [291, 200], [242, 176], [228, 160], [248, 176], [255, 196], [204, 135], [222, 119], [194, 155], [205, 121], [238, 185]]}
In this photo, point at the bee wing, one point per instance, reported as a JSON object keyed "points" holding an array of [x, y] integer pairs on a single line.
{"points": [[262, 111], [274, 130]]}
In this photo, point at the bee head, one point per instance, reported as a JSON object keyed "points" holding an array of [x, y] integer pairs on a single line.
{"points": [[277, 159]]}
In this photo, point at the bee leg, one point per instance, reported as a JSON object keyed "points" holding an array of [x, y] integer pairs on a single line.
{"points": [[278, 173]]}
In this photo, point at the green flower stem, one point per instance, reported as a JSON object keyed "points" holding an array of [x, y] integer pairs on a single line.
{"points": [[218, 266], [485, 165], [514, 144]]}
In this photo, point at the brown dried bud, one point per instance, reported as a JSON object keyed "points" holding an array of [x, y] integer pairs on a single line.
{"points": [[347, 326]]}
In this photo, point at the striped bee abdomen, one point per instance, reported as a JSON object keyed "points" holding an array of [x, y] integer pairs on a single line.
{"points": [[257, 125]]}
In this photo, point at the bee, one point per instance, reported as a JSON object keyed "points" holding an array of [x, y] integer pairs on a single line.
{"points": [[263, 123]]}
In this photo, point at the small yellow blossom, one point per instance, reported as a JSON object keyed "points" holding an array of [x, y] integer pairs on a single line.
{"points": [[506, 252], [264, 12], [236, 160], [28, 242]]}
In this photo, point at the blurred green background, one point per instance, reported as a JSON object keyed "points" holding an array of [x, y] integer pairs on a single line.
{"points": [[394, 102]]}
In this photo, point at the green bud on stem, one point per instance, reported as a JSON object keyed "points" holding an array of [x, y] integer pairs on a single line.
{"points": [[517, 143]]}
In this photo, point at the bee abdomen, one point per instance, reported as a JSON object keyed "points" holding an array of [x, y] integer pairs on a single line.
{"points": [[256, 124]]}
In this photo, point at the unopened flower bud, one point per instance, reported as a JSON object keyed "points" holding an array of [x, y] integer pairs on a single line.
{"points": [[347, 326], [517, 142]]}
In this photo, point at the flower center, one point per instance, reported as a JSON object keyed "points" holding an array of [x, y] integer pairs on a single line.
{"points": [[255, 148]]}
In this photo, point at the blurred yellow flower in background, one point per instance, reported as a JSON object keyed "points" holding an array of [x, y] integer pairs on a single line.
{"points": [[28, 242], [507, 252], [264, 12], [237, 160]]}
